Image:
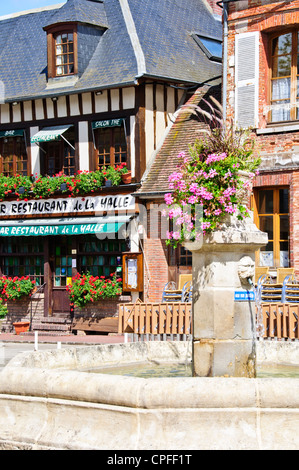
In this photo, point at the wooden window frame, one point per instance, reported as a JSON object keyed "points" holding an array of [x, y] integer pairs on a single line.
{"points": [[52, 32], [276, 222], [15, 157], [112, 148], [293, 77], [62, 146]]}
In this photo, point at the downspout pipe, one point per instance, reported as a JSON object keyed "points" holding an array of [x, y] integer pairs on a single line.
{"points": [[225, 56], [224, 5]]}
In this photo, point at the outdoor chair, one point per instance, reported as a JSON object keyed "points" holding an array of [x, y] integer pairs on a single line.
{"points": [[260, 271], [180, 293], [267, 290], [282, 273], [290, 290]]}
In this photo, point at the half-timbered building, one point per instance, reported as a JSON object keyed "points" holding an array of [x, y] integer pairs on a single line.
{"points": [[87, 85]]}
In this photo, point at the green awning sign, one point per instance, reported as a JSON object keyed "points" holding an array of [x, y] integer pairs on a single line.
{"points": [[12, 133], [107, 123], [48, 134], [46, 230]]}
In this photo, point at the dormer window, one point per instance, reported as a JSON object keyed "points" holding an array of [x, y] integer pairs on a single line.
{"points": [[62, 50], [64, 54]]}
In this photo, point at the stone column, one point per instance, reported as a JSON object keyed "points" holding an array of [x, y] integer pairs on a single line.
{"points": [[224, 328]]}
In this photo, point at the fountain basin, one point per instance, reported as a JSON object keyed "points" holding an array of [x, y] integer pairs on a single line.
{"points": [[48, 402]]}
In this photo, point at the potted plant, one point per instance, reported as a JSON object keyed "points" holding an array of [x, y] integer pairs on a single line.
{"points": [[14, 289], [86, 289], [209, 184], [126, 175]]}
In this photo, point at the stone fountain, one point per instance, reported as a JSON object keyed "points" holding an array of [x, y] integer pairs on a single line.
{"points": [[49, 401], [224, 324]]}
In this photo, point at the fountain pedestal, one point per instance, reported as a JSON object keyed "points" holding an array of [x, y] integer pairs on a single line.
{"points": [[224, 324]]}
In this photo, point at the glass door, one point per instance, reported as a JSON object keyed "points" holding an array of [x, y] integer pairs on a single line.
{"points": [[61, 256]]}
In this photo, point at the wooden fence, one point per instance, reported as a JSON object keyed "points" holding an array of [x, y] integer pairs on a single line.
{"points": [[278, 320], [169, 319], [152, 319]]}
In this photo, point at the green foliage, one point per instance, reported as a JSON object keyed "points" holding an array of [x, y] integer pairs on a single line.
{"points": [[14, 288], [84, 182], [86, 288]]}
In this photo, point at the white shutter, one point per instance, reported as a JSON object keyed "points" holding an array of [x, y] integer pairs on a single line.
{"points": [[246, 75]]}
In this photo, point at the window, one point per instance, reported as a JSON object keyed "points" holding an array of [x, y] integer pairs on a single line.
{"points": [[185, 257], [210, 46], [23, 256], [61, 254], [59, 155], [273, 218], [111, 146], [64, 54], [284, 77], [100, 257], [13, 156], [62, 50]]}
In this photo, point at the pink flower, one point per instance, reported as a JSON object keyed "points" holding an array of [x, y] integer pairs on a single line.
{"points": [[217, 211], [176, 176], [206, 225], [229, 191], [212, 173], [230, 209], [193, 187], [192, 200], [168, 198], [215, 158]]}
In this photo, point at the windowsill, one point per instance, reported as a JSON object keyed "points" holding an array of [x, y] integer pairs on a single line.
{"points": [[278, 128], [59, 82]]}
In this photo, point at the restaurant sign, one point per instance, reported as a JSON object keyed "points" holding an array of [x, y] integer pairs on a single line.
{"points": [[119, 202], [45, 230]]}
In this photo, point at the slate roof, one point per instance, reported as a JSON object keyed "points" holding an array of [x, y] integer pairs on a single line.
{"points": [[88, 12], [163, 28], [186, 129]]}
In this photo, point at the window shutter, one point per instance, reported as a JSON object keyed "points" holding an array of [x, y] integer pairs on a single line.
{"points": [[247, 69]]}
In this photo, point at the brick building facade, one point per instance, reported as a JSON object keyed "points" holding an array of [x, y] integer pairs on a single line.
{"points": [[262, 93]]}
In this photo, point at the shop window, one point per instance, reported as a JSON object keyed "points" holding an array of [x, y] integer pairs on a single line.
{"points": [[59, 155], [13, 156], [111, 146], [284, 77], [23, 256], [100, 257], [273, 218]]}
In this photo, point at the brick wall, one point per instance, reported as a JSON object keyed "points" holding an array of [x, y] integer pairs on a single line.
{"points": [[156, 258], [278, 150], [102, 309], [21, 311]]}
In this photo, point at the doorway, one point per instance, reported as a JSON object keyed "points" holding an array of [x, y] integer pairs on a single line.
{"points": [[61, 260]]}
